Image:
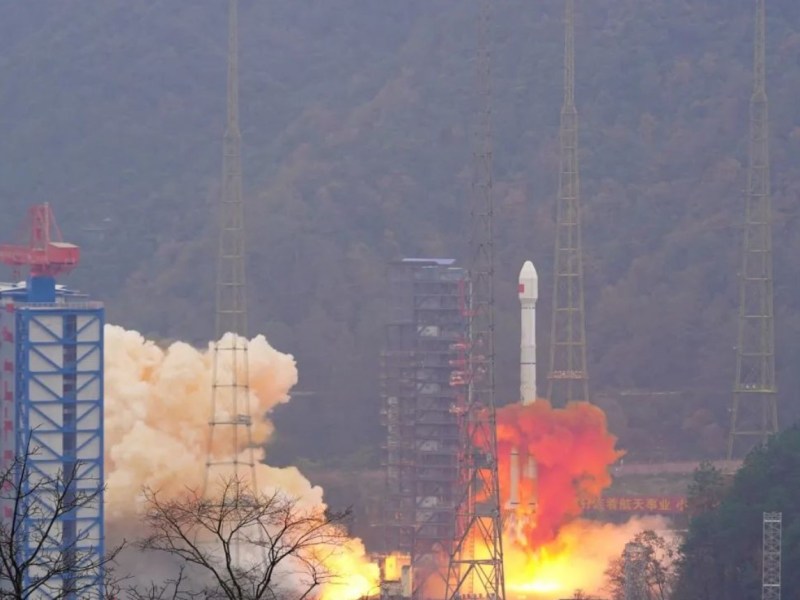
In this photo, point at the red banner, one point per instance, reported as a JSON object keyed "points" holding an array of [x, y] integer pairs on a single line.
{"points": [[636, 504]]}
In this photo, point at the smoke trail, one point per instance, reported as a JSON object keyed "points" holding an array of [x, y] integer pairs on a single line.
{"points": [[157, 404]]}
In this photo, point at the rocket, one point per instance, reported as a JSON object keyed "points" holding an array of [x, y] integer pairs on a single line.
{"points": [[528, 294]]}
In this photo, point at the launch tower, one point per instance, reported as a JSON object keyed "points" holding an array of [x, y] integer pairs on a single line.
{"points": [[754, 414], [51, 351], [423, 366], [476, 558], [567, 379]]}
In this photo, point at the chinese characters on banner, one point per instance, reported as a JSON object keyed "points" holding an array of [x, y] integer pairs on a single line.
{"points": [[636, 504]]}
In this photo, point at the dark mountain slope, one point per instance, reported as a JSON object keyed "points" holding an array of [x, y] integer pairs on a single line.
{"points": [[356, 122]]}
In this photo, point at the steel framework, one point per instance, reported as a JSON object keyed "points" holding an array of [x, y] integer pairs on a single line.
{"points": [[567, 379], [771, 560], [754, 413], [476, 558], [230, 409], [423, 364], [634, 570], [52, 380]]}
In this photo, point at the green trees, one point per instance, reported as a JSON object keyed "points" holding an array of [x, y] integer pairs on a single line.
{"points": [[721, 555]]}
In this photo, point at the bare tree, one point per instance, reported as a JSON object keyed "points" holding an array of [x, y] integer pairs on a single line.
{"points": [[286, 546], [175, 588], [39, 553]]}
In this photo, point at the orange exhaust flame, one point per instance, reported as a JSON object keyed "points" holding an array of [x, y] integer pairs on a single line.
{"points": [[549, 551]]}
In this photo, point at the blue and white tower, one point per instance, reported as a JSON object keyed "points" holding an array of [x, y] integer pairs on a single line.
{"points": [[51, 387]]}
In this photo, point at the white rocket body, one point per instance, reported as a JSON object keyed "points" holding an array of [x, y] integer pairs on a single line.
{"points": [[528, 294], [513, 465]]}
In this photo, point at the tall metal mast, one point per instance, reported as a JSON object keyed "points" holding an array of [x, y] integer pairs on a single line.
{"points": [[568, 379], [634, 567], [476, 560], [754, 413], [230, 422], [771, 556]]}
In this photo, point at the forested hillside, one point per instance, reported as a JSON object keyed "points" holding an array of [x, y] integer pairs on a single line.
{"points": [[356, 126]]}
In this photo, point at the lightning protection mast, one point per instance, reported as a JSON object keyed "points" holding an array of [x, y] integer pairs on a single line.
{"points": [[771, 556], [230, 436], [754, 414], [568, 379], [476, 559]]}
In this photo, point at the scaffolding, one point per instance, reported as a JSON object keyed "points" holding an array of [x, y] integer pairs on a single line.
{"points": [[422, 370]]}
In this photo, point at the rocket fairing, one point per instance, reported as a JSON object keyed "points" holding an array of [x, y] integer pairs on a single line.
{"points": [[528, 294]]}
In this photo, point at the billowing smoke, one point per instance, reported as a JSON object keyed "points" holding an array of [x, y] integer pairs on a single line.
{"points": [[156, 424], [572, 449], [549, 550]]}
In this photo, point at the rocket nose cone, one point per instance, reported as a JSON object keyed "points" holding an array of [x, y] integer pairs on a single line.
{"points": [[528, 271], [528, 282]]}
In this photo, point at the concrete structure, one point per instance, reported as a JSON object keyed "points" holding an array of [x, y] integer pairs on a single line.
{"points": [[423, 366], [51, 352]]}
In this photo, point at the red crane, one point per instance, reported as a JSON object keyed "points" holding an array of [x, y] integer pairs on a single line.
{"points": [[46, 254]]}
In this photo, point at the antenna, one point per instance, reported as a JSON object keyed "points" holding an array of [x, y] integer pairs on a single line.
{"points": [[568, 379], [477, 513], [754, 413]]}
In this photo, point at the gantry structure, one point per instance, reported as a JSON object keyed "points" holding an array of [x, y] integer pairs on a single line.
{"points": [[422, 375], [476, 557], [567, 379], [754, 413]]}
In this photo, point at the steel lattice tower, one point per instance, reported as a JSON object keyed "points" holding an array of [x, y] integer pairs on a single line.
{"points": [[635, 572], [771, 557], [230, 411], [476, 560], [754, 389], [568, 379]]}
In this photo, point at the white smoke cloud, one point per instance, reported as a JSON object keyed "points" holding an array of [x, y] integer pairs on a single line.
{"points": [[157, 409]]}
